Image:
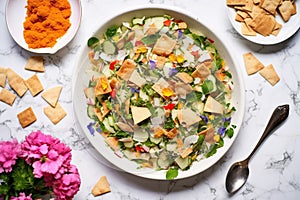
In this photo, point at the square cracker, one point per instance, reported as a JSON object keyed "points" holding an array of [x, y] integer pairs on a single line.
{"points": [[35, 63], [2, 77], [246, 30], [26, 117], [252, 64], [286, 10], [34, 85], [7, 96], [55, 114], [264, 24], [235, 2], [270, 74], [270, 5], [51, 95], [16, 82], [101, 187]]}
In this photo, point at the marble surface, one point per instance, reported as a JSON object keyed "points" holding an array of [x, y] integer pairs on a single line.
{"points": [[274, 170]]}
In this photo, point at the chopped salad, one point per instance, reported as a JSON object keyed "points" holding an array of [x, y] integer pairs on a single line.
{"points": [[159, 93]]}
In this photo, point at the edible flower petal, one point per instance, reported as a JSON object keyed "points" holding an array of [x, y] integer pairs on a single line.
{"points": [[180, 59], [167, 92], [152, 64]]}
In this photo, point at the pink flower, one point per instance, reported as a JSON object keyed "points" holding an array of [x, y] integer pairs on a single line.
{"points": [[21, 196], [49, 157], [9, 152], [68, 185]]}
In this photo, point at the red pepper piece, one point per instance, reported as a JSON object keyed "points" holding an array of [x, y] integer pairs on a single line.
{"points": [[113, 93], [167, 22], [170, 106], [112, 65], [210, 40]]}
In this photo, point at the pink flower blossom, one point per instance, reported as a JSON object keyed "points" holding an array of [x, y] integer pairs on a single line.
{"points": [[21, 196], [49, 157], [9, 151], [68, 185]]}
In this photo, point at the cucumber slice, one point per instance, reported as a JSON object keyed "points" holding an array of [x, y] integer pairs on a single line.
{"points": [[90, 111], [182, 162], [128, 144], [140, 135], [109, 47], [155, 140], [107, 126]]}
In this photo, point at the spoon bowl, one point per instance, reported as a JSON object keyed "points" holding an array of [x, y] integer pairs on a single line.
{"points": [[239, 171]]}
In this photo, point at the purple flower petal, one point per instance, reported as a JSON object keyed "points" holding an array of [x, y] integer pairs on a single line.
{"points": [[173, 71], [180, 33], [91, 128], [204, 118], [152, 64], [221, 130]]}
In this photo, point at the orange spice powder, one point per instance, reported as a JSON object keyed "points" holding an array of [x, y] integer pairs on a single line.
{"points": [[46, 21]]}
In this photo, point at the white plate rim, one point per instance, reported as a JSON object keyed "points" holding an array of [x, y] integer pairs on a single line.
{"points": [[150, 174], [16, 33], [288, 28]]}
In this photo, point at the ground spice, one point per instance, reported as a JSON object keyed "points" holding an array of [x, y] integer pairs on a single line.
{"points": [[46, 21]]}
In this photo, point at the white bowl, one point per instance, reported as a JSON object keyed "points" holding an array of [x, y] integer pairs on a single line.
{"points": [[15, 14], [81, 79]]}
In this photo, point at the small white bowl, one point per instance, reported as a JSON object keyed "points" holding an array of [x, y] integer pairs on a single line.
{"points": [[288, 28], [15, 14], [81, 79]]}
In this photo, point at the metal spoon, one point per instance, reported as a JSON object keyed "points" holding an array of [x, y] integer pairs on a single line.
{"points": [[239, 171]]}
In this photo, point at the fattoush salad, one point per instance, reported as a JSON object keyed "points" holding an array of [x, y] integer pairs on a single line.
{"points": [[159, 93]]}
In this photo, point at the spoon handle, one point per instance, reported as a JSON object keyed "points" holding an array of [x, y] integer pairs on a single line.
{"points": [[278, 116]]}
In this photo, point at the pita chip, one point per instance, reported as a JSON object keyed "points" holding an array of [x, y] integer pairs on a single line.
{"points": [[101, 187], [270, 5], [7, 96], [270, 74], [16, 82], [139, 114], [286, 10], [34, 85], [252, 64], [26, 117], [55, 114], [277, 28], [236, 2], [35, 63], [213, 106], [126, 69], [2, 77], [247, 30], [51, 95], [264, 24]]}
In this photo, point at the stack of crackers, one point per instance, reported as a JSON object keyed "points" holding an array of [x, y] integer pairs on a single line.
{"points": [[36, 64], [258, 16], [253, 65]]}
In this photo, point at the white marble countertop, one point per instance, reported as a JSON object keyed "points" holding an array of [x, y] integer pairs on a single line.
{"points": [[274, 170]]}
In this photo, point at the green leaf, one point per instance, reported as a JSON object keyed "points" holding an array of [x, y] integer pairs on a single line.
{"points": [[229, 132], [92, 41], [172, 173], [212, 150], [149, 40], [111, 31], [169, 123], [207, 86]]}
